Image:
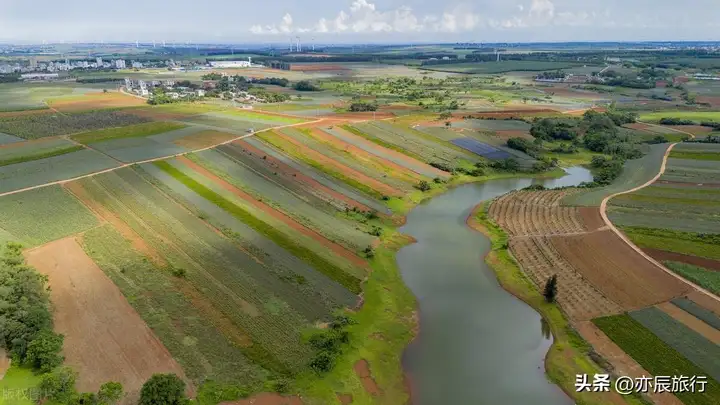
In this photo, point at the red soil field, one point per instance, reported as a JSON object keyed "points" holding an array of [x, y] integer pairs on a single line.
{"points": [[691, 322], [95, 101], [623, 364], [617, 271], [25, 112], [713, 101], [591, 218], [398, 171], [354, 174], [317, 67], [300, 176], [662, 255], [105, 339], [267, 398], [362, 369], [332, 246]]}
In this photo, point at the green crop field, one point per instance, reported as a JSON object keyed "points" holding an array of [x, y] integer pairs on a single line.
{"points": [[691, 243], [693, 346], [24, 152], [39, 216], [685, 115], [656, 356], [130, 131], [707, 279], [51, 169], [321, 264], [253, 116], [705, 315], [713, 156], [41, 126]]}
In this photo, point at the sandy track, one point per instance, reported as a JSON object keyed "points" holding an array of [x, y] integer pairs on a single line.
{"points": [[105, 339]]}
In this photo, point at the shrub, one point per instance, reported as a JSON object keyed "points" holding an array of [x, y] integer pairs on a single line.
{"points": [[43, 353], [423, 186], [163, 389]]}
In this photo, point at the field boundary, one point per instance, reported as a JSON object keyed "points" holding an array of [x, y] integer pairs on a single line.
{"points": [[612, 227], [124, 165]]}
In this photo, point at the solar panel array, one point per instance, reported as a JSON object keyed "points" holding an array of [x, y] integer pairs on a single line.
{"points": [[481, 149]]}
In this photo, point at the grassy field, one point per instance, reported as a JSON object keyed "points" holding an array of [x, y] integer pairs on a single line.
{"points": [[712, 156], [130, 131], [656, 356], [19, 387], [499, 67], [691, 243], [685, 115]]}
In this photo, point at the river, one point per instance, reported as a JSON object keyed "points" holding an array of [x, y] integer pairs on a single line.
{"points": [[477, 344]]}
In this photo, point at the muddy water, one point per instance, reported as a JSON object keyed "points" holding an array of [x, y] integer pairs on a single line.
{"points": [[478, 344]]}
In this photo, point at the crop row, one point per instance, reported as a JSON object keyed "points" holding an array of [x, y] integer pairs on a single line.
{"points": [[260, 117], [39, 216], [213, 264], [695, 244], [130, 131], [40, 155], [202, 340], [311, 215], [656, 356], [708, 279], [698, 311], [693, 346], [318, 262], [655, 217]]}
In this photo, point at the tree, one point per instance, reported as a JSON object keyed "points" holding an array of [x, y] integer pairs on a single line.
{"points": [[304, 85], [550, 291], [104, 90], [43, 353], [110, 393], [58, 385], [448, 123], [163, 389], [423, 186]]}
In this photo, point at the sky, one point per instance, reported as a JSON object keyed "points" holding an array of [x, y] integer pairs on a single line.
{"points": [[358, 21]]}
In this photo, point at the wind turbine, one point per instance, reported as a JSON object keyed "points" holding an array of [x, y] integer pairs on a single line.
{"points": [[299, 49]]}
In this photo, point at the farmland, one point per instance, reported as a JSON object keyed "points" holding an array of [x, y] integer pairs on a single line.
{"points": [[41, 126], [499, 67]]}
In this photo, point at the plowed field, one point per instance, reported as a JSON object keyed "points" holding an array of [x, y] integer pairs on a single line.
{"points": [[105, 339]]}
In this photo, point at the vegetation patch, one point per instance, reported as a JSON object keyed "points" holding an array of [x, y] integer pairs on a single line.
{"points": [[656, 356], [318, 262], [695, 244], [39, 156], [131, 131], [41, 126], [677, 154], [707, 279]]}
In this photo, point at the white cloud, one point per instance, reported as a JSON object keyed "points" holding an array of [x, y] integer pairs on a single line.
{"points": [[365, 17], [543, 13]]}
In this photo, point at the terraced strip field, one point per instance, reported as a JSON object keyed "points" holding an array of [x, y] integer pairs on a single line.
{"points": [[387, 154], [45, 125], [316, 175], [259, 117], [354, 178], [130, 131], [698, 311], [347, 280], [94, 101], [66, 166], [414, 143], [705, 278], [656, 356], [269, 309]]}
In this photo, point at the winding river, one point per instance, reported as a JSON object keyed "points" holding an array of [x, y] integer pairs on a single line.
{"points": [[477, 344]]}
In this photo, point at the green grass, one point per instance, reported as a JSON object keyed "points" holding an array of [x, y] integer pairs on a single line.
{"points": [[694, 244], [707, 279], [39, 156], [260, 116], [18, 387], [686, 115], [695, 155], [656, 356], [500, 67], [131, 131], [659, 199], [317, 261], [382, 143]]}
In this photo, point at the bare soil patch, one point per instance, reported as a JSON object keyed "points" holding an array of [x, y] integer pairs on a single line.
{"points": [[105, 339], [267, 398], [345, 399], [705, 301], [4, 363], [300, 176], [713, 101], [536, 213], [617, 271], [507, 134], [332, 246], [362, 369], [203, 139], [662, 255], [691, 322], [622, 363], [591, 218]]}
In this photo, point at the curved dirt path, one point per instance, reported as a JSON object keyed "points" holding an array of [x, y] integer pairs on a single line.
{"points": [[612, 227]]}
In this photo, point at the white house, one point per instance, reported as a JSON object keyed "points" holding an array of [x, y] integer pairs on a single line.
{"points": [[232, 63]]}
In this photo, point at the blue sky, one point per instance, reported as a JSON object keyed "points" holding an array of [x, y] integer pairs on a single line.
{"points": [[337, 21]]}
